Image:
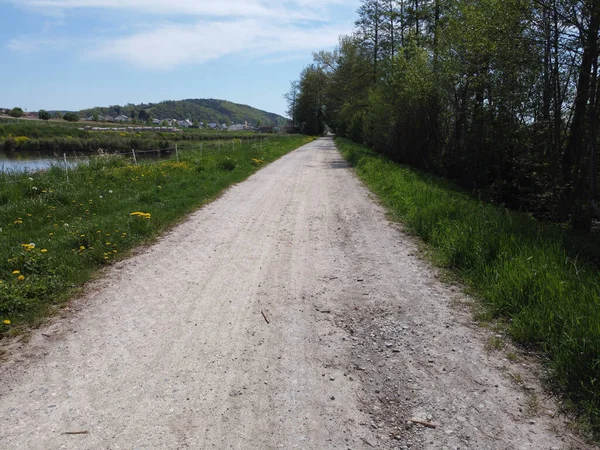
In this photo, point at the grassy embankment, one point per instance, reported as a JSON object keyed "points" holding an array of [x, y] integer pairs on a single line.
{"points": [[54, 231], [52, 138], [530, 275]]}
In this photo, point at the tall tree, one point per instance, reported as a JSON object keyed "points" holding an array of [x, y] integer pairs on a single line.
{"points": [[369, 27], [310, 108], [292, 97]]}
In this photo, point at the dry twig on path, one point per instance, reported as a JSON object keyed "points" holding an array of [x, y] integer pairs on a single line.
{"points": [[265, 316], [422, 422]]}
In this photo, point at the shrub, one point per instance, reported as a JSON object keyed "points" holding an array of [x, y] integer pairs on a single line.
{"points": [[71, 117], [16, 112]]}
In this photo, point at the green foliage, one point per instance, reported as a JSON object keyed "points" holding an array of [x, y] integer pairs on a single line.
{"points": [[16, 112], [533, 275], [56, 230], [205, 110], [71, 117], [498, 95], [57, 138], [310, 107], [43, 114]]}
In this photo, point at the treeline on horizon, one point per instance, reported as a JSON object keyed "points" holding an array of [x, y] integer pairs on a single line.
{"points": [[500, 95], [202, 110]]}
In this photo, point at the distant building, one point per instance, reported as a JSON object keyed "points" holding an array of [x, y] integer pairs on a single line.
{"points": [[121, 118], [185, 123]]}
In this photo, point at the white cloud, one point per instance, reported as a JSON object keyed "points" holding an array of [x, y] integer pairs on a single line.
{"points": [[173, 45], [197, 31], [313, 9]]}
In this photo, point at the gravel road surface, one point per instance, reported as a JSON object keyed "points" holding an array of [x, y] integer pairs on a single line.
{"points": [[290, 313]]}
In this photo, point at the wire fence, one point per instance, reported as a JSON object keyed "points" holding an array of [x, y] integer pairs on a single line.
{"points": [[163, 154]]}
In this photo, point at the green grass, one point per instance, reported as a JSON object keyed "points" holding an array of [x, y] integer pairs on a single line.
{"points": [[530, 274], [29, 137], [78, 224]]}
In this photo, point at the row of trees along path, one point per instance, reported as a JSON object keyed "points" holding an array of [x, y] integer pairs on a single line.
{"points": [[501, 95]]}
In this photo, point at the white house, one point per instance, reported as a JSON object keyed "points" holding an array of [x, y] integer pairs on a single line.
{"points": [[236, 127]]}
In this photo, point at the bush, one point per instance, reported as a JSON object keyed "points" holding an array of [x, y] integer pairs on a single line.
{"points": [[16, 112], [71, 117], [44, 115]]}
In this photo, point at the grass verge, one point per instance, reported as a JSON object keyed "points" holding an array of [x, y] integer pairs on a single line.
{"points": [[527, 272], [57, 227]]}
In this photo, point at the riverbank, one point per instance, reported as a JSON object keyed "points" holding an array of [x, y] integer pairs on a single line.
{"points": [[43, 139]]}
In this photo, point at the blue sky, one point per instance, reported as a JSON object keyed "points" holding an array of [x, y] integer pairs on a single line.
{"points": [[76, 54]]}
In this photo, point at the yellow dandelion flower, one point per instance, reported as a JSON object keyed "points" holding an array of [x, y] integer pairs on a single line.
{"points": [[16, 272], [82, 248], [6, 322], [44, 250], [21, 277]]}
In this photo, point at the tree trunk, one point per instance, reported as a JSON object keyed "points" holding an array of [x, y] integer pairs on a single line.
{"points": [[402, 23], [576, 199], [376, 43], [417, 21]]}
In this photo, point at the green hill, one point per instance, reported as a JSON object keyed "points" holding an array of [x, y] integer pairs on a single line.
{"points": [[202, 110]]}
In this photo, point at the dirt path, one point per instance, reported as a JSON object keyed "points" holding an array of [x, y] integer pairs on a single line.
{"points": [[171, 349]]}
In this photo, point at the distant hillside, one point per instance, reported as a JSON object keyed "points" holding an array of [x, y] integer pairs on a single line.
{"points": [[202, 110]]}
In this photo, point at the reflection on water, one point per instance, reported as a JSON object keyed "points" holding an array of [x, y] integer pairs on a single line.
{"points": [[19, 162], [26, 163]]}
